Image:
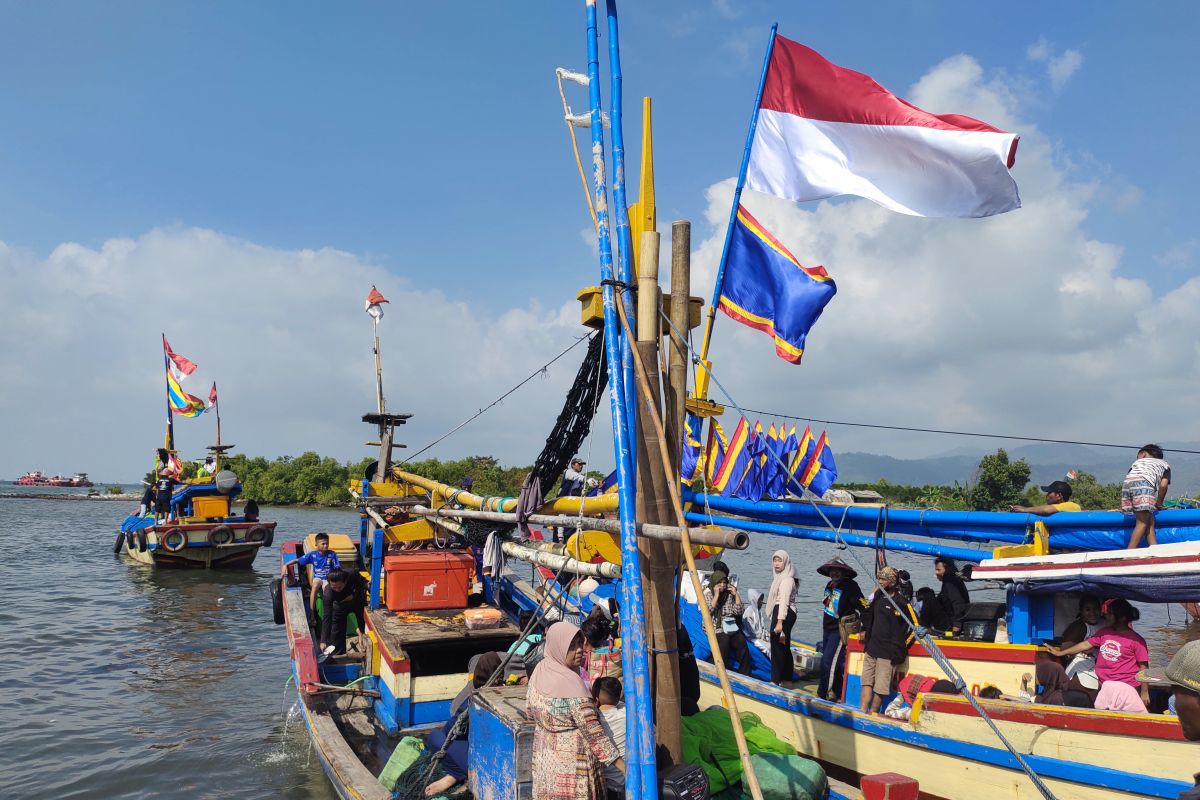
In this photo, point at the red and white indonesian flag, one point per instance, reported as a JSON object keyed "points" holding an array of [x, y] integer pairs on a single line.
{"points": [[374, 303], [824, 130]]}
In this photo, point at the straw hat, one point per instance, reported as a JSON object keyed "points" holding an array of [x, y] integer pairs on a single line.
{"points": [[837, 563]]}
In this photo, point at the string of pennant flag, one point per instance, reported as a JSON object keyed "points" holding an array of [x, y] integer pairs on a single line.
{"points": [[753, 464]]}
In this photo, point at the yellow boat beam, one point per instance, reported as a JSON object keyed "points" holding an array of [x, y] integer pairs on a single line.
{"points": [[599, 504]]}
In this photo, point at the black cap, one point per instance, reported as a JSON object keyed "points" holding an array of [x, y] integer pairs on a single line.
{"points": [[1060, 487]]}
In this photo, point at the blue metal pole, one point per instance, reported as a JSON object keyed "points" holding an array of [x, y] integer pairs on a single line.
{"points": [[633, 619], [852, 539], [621, 218], [737, 194], [376, 566]]}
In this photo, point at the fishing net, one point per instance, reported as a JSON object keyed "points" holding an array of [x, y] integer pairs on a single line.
{"points": [[575, 420]]}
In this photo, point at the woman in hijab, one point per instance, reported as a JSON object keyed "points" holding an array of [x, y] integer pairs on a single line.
{"points": [[781, 600], [752, 622], [570, 747], [454, 762]]}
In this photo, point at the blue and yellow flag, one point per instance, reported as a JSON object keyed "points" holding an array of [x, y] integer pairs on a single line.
{"points": [[692, 461], [735, 462], [819, 473], [767, 288], [182, 403], [714, 451]]}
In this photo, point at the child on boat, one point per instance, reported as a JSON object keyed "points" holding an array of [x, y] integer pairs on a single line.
{"points": [[1120, 653], [1143, 492], [322, 560], [607, 692]]}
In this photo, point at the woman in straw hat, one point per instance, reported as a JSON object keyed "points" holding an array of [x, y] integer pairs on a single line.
{"points": [[843, 599]]}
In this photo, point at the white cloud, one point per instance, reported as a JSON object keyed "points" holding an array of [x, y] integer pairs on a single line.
{"points": [[1012, 324], [1059, 66], [284, 335]]}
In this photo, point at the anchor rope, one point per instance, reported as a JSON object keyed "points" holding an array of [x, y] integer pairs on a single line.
{"points": [[919, 631]]}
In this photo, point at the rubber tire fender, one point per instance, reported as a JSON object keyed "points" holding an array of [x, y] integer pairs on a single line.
{"points": [[162, 540], [212, 534], [117, 546], [277, 600], [267, 542], [255, 531], [141, 541]]}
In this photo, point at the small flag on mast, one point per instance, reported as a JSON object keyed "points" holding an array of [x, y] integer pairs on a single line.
{"points": [[182, 403], [375, 302], [185, 366], [212, 395]]}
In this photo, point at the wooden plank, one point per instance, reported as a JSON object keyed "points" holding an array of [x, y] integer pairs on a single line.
{"points": [[397, 630]]}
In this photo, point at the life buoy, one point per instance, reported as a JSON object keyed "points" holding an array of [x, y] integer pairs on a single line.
{"points": [[173, 540], [257, 534], [222, 534], [141, 541]]}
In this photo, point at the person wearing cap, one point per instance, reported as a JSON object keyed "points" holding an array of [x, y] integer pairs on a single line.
{"points": [[1058, 498], [725, 604], [574, 480], [1182, 677], [843, 599], [885, 641]]}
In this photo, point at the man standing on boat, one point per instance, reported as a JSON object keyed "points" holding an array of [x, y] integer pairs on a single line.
{"points": [[574, 482], [954, 597], [885, 641], [1058, 498]]}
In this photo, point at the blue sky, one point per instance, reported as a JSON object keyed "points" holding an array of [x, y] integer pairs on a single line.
{"points": [[426, 139]]}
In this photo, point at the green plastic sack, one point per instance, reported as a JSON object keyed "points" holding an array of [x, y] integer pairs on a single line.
{"points": [[708, 740], [783, 777], [406, 752]]}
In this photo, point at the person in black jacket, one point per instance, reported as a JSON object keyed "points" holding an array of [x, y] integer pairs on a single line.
{"points": [[954, 596], [932, 615], [843, 598], [344, 593], [689, 675], [885, 641]]}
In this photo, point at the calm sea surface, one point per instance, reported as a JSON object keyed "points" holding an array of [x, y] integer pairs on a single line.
{"points": [[124, 681], [120, 680]]}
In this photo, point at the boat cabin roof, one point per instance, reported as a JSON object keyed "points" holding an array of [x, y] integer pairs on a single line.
{"points": [[1165, 573]]}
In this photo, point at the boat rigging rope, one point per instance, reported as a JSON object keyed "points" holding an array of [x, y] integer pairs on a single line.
{"points": [[568, 115], [919, 631], [539, 371], [976, 434]]}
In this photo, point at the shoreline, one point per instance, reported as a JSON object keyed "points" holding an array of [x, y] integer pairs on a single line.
{"points": [[137, 498]]}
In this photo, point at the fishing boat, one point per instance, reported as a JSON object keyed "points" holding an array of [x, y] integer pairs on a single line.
{"points": [[204, 531], [198, 528], [434, 599]]}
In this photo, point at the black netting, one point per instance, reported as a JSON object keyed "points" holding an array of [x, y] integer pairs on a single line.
{"points": [[573, 424]]}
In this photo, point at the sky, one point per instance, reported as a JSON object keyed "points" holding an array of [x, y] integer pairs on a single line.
{"points": [[238, 175]]}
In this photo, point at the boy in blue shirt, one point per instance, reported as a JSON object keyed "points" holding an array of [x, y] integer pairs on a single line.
{"points": [[322, 560]]}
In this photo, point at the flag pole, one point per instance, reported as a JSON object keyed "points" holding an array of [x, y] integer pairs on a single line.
{"points": [[378, 373], [737, 196], [217, 411], [167, 385]]}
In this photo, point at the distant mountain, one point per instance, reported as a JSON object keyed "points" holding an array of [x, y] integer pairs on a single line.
{"points": [[1048, 462]]}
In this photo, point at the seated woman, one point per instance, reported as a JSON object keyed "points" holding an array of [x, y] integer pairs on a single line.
{"points": [[1120, 653], [932, 615], [1081, 669], [570, 746], [454, 762]]}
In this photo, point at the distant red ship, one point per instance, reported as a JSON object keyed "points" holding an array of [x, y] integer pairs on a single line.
{"points": [[36, 478]]}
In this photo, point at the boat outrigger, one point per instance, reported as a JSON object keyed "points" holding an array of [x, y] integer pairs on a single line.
{"points": [[440, 589]]}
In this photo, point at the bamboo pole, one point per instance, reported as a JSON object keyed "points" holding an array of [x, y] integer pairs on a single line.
{"points": [[453, 494], [731, 540], [557, 562], [681, 290], [748, 775], [659, 558]]}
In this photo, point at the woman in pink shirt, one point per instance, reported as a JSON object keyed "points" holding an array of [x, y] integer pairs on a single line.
{"points": [[1120, 650]]}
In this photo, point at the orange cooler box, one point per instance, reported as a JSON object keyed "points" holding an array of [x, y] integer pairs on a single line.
{"points": [[428, 579]]}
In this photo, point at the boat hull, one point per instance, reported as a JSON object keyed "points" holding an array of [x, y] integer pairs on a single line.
{"points": [[962, 758], [145, 545]]}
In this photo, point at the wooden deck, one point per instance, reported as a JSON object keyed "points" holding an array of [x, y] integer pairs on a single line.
{"points": [[398, 631]]}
